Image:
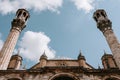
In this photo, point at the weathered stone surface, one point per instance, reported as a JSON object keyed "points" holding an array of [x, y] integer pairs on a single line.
{"points": [[104, 25], [50, 73], [47, 69], [18, 24]]}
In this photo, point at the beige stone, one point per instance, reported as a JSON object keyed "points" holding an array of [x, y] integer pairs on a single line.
{"points": [[60, 69]]}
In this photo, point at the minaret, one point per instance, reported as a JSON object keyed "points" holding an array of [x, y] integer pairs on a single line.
{"points": [[18, 24], [105, 26]]}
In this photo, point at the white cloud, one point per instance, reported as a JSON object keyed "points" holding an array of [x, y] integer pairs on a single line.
{"points": [[1, 42], [86, 5], [8, 6], [33, 44]]}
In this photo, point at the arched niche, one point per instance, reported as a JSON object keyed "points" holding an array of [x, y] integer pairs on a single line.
{"points": [[64, 76], [13, 79], [112, 78]]}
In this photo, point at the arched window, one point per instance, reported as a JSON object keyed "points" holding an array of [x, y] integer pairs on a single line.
{"points": [[26, 18], [63, 78], [95, 19], [24, 14], [98, 15], [19, 13], [102, 14]]}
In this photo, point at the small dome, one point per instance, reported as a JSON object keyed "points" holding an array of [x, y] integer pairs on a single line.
{"points": [[81, 56], [17, 56], [43, 56], [106, 55]]}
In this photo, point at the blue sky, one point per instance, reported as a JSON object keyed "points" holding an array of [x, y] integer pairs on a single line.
{"points": [[61, 28]]}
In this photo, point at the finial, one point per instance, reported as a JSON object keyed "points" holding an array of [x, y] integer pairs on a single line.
{"points": [[44, 53], [24, 67], [18, 53], [105, 52], [80, 53], [80, 56], [99, 66], [43, 56]]}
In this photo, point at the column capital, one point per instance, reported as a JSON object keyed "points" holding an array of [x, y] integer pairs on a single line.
{"points": [[103, 23], [19, 23]]}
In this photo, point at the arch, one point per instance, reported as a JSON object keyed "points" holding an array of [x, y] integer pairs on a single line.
{"points": [[13, 79], [26, 18], [112, 77], [19, 13], [63, 78], [102, 13], [68, 76], [24, 14], [98, 15]]}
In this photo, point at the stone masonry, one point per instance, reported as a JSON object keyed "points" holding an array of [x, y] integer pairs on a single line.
{"points": [[105, 26], [60, 69], [18, 24]]}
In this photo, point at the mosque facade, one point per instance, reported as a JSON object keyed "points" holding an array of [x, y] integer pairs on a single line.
{"points": [[60, 69]]}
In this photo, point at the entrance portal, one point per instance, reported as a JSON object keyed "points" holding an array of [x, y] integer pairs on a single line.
{"points": [[63, 78], [112, 79]]}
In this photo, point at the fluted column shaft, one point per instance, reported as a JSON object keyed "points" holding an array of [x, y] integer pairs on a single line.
{"points": [[8, 47], [114, 45], [18, 24]]}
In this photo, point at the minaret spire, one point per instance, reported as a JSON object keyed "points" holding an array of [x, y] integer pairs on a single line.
{"points": [[105, 26], [15, 61], [105, 52], [81, 60], [43, 60], [99, 66], [18, 24]]}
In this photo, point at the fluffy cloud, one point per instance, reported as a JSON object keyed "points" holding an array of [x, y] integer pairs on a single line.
{"points": [[8, 6], [1, 42], [33, 45], [86, 5]]}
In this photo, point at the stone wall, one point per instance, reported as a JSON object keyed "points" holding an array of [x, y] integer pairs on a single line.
{"points": [[77, 73]]}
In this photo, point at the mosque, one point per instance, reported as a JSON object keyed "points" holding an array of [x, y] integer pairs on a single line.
{"points": [[60, 69]]}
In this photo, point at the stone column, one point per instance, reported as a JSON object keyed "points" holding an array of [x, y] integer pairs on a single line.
{"points": [[105, 26], [18, 24]]}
